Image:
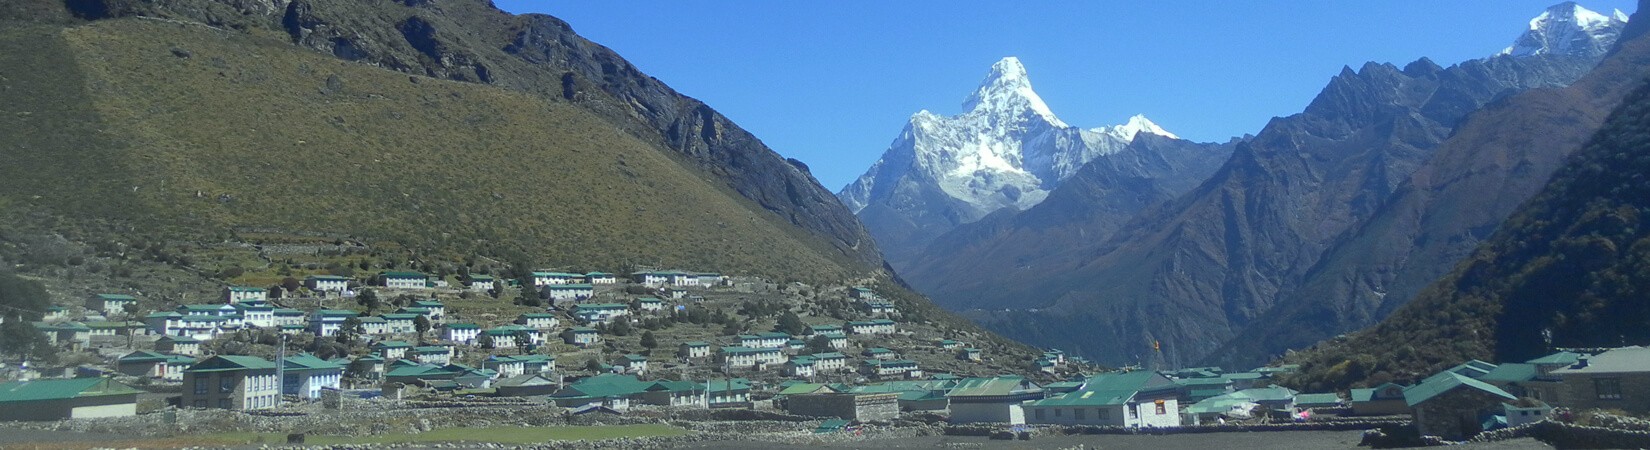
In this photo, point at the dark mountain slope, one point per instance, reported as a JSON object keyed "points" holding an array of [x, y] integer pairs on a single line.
{"points": [[1197, 271], [471, 41], [1496, 160], [1573, 261], [1087, 207]]}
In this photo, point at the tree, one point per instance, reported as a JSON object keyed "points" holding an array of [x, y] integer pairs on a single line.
{"points": [[22, 302], [621, 327], [790, 323], [422, 325], [485, 341], [732, 328], [132, 311], [648, 341], [529, 295], [819, 344], [523, 342], [593, 365], [368, 298], [291, 284], [352, 328]]}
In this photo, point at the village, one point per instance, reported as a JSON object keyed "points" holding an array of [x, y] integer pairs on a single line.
{"points": [[608, 345]]}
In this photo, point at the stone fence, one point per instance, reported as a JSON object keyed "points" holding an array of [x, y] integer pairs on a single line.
{"points": [[1347, 424], [1568, 435]]}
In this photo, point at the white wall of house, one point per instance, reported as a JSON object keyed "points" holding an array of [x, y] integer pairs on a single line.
{"points": [[1010, 413]]}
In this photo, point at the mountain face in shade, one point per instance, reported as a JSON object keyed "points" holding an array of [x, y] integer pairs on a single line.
{"points": [[1567, 269], [1196, 271], [1006, 150]]}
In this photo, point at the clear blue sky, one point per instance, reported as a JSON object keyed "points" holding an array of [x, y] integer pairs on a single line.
{"points": [[831, 83]]}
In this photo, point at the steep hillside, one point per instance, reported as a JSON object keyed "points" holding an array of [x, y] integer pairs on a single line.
{"points": [[1495, 161], [471, 41], [1087, 207], [1197, 271], [1573, 262], [199, 131]]}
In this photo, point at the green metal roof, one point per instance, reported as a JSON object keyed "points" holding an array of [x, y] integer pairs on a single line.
{"points": [[1274, 393], [463, 326], [117, 297], [1511, 373], [604, 386], [741, 350], [224, 363], [335, 313], [246, 289], [1318, 399], [33, 390], [1564, 358], [305, 362], [429, 304], [142, 356], [990, 387], [419, 275], [1445, 382], [569, 287], [178, 339], [327, 277], [1088, 398], [391, 344]]}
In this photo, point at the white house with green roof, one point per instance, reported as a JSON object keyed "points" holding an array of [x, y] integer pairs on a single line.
{"points": [[400, 323], [433, 354], [548, 278], [862, 293], [78, 398], [881, 308], [593, 313], [289, 316], [542, 321], [256, 313], [374, 325], [582, 337], [739, 357], [568, 292], [460, 333], [506, 366], [1450, 405], [107, 304], [182, 345], [693, 350], [992, 400], [631, 363], [481, 283], [391, 350], [405, 280], [154, 365], [307, 376], [1130, 399], [601, 278], [772, 339], [878, 326], [800, 366], [437, 311], [231, 382], [327, 322], [326, 283], [893, 369], [650, 304], [237, 294], [830, 362]]}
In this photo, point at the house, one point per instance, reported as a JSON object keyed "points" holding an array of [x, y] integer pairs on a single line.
{"points": [[678, 294], [862, 293], [593, 313], [109, 304], [1129, 399], [436, 311], [541, 279], [795, 345], [542, 321], [1514, 378], [367, 366], [306, 376], [288, 316], [537, 363], [969, 354], [823, 329], [672, 278], [152, 365], [568, 292], [676, 393], [1245, 380], [997, 399], [583, 337], [1384, 400], [1193, 390], [1275, 398], [237, 294], [631, 363], [725, 393], [708, 279], [764, 340], [891, 369], [650, 304], [78, 398], [881, 307], [374, 325], [862, 407], [327, 322], [600, 278], [405, 280], [693, 350], [391, 350], [74, 334], [400, 323], [879, 353], [1324, 400], [608, 390], [503, 337], [878, 326], [433, 354], [182, 345], [326, 283], [947, 344], [256, 313], [740, 357], [460, 333], [1452, 405], [1619, 378], [1525, 411], [231, 382], [482, 283], [800, 366], [506, 366], [527, 385], [835, 341], [117, 328], [829, 362], [56, 313]]}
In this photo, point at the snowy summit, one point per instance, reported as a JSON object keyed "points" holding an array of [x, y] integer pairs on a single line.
{"points": [[1569, 29], [1007, 149]]}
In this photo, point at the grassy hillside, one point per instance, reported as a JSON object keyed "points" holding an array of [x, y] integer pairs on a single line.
{"points": [[194, 133], [1574, 261]]}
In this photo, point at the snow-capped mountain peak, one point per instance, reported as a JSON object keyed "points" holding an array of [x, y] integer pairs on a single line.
{"points": [[1136, 125], [1569, 29], [1007, 91]]}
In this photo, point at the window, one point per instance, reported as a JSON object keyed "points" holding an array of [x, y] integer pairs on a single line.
{"points": [[200, 403], [1134, 411], [200, 387], [1103, 414], [1080, 413], [1040, 414], [1161, 408], [226, 384], [223, 403], [1056, 412], [1607, 388]]}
